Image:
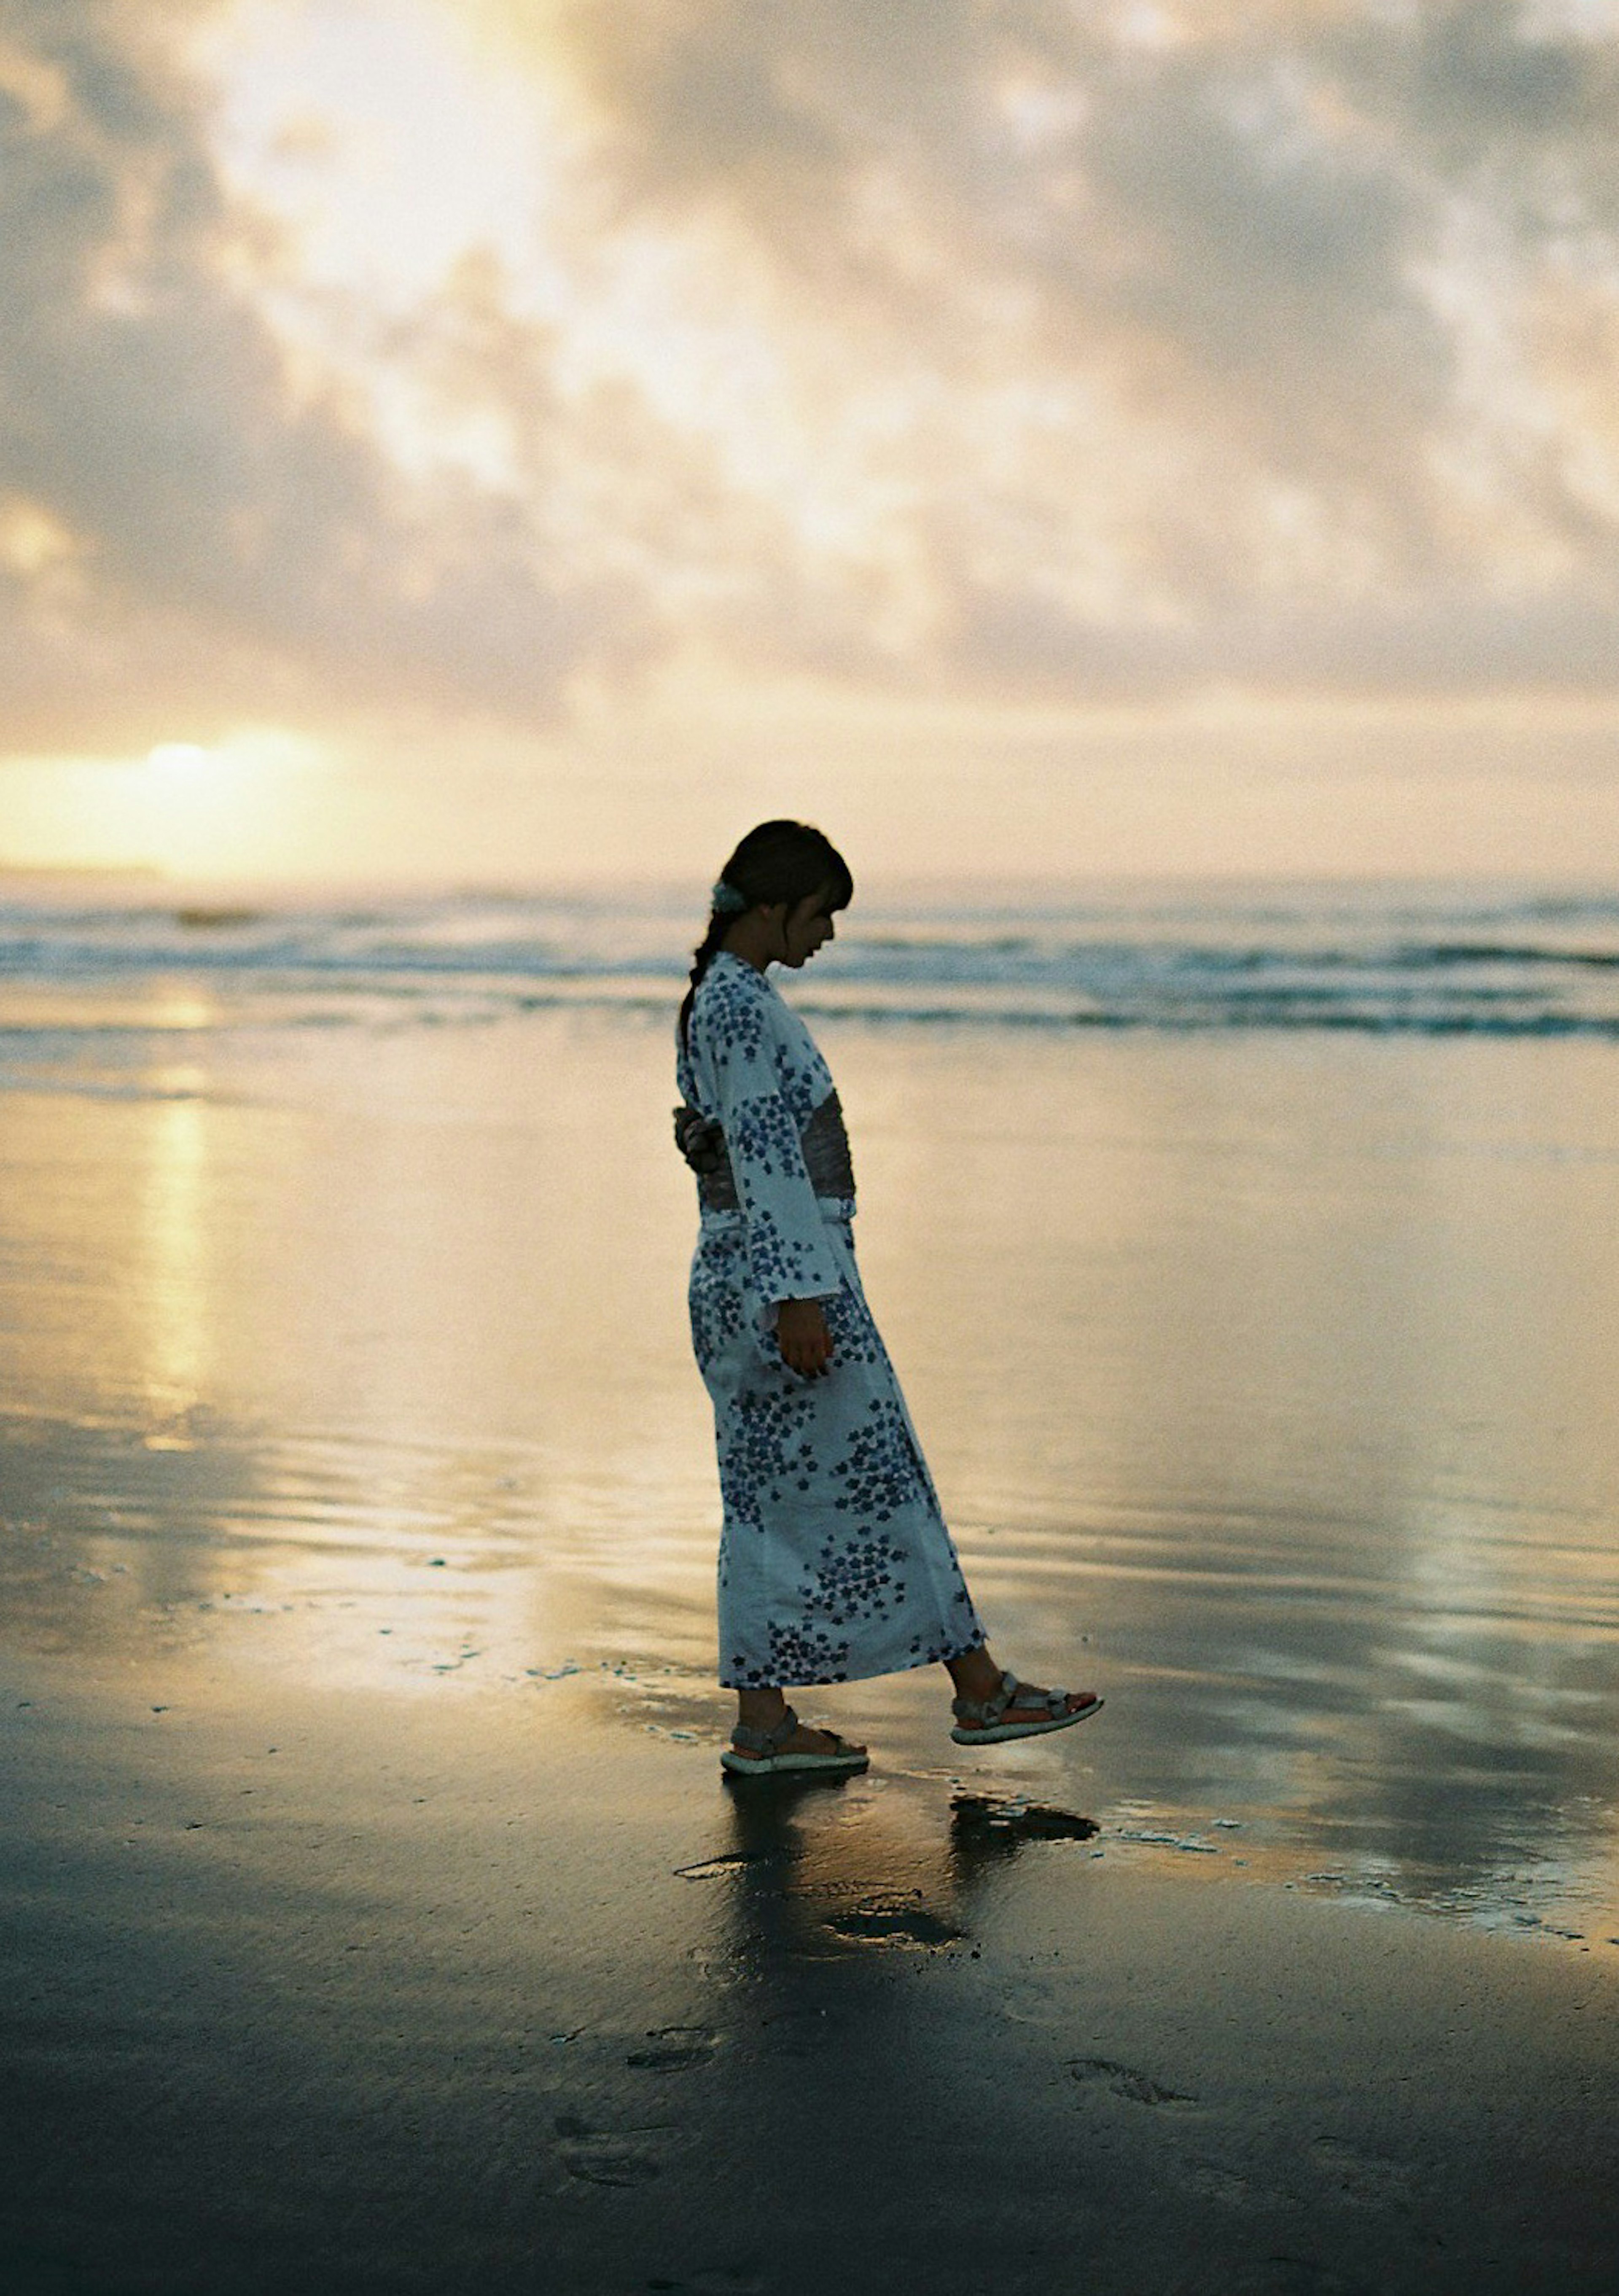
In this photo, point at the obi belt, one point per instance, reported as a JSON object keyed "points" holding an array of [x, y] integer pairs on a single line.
{"points": [[824, 1141]]}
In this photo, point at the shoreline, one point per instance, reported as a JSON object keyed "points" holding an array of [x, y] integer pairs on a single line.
{"points": [[377, 1917], [347, 1992]]}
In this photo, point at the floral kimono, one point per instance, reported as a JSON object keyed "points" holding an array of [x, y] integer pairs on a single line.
{"points": [[835, 1562]]}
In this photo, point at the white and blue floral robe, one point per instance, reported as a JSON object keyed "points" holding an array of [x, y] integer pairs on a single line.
{"points": [[835, 1562]]}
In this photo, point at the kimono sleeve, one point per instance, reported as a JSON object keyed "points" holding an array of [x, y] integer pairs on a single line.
{"points": [[787, 1245]]}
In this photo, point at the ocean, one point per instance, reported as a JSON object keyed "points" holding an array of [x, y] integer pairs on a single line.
{"points": [[1426, 959], [1249, 1256]]}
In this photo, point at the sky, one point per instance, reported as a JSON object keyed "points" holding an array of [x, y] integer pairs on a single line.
{"points": [[527, 440]]}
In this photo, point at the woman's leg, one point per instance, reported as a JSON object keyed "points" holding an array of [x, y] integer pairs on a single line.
{"points": [[762, 1710], [977, 1674], [974, 1674]]}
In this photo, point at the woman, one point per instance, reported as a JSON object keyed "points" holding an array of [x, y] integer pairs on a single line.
{"points": [[835, 1563]]}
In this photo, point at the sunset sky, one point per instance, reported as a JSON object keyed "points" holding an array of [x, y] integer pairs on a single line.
{"points": [[527, 440]]}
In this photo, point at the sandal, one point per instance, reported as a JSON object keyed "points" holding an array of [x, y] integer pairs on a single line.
{"points": [[1047, 1709], [771, 1762]]}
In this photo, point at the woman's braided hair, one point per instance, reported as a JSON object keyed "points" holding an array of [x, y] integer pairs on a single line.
{"points": [[777, 861]]}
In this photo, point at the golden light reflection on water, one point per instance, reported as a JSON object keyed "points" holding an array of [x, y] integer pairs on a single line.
{"points": [[1278, 1376], [180, 1009], [174, 1244]]}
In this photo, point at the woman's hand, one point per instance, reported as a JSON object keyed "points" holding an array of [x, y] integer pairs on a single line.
{"points": [[802, 1336]]}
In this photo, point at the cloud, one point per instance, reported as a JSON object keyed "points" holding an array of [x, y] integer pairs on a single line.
{"points": [[989, 348], [226, 529], [1251, 341]]}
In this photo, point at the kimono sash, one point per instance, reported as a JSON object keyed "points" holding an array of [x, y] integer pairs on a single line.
{"points": [[824, 1141]]}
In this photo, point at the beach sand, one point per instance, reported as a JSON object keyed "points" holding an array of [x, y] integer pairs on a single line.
{"points": [[470, 1992], [376, 1915]]}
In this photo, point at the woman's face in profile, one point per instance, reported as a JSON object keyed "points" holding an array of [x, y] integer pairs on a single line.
{"points": [[807, 928]]}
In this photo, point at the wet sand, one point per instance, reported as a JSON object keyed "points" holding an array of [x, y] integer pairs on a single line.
{"points": [[454, 1991], [376, 1917]]}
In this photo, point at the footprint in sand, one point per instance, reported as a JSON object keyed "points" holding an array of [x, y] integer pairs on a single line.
{"points": [[722, 2280], [878, 1921], [999, 1819], [603, 2165], [597, 2157], [675, 2049], [1126, 2081], [713, 1869], [1229, 2189], [1302, 2275], [803, 2032], [1360, 2176]]}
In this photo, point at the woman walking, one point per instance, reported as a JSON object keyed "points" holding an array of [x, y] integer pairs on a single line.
{"points": [[835, 1562]]}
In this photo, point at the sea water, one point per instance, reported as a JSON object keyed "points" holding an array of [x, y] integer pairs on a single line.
{"points": [[1249, 1255]]}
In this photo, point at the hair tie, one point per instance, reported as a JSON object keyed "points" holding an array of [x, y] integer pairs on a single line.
{"points": [[726, 901]]}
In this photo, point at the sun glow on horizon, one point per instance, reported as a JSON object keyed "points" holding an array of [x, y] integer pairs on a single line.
{"points": [[448, 429], [178, 759], [224, 808], [245, 806]]}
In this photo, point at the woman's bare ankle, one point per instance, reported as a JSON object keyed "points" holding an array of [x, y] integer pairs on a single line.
{"points": [[760, 1710], [973, 1673]]}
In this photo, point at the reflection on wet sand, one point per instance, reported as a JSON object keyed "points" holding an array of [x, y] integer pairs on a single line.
{"points": [[1285, 1384], [813, 1872], [174, 1242], [817, 1867], [1307, 1754]]}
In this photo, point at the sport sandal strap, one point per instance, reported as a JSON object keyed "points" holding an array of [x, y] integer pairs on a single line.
{"points": [[1011, 1693], [764, 1742], [987, 1710]]}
